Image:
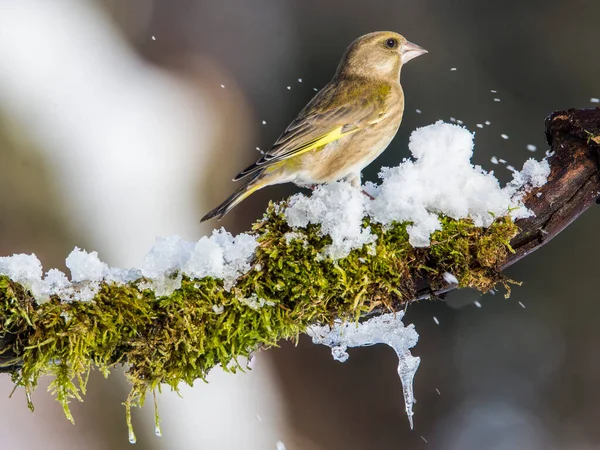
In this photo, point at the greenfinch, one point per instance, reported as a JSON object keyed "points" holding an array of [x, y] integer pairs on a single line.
{"points": [[348, 124]]}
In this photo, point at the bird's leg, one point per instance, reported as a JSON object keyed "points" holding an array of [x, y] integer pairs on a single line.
{"points": [[354, 180]]}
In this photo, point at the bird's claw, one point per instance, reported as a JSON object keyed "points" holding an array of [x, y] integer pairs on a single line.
{"points": [[368, 195]]}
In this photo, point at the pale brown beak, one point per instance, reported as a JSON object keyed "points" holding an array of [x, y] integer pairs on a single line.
{"points": [[411, 51]]}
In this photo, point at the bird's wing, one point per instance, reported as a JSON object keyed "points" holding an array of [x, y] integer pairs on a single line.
{"points": [[328, 117]]}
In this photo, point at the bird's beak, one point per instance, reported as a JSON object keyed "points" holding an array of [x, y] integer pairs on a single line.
{"points": [[411, 51]]}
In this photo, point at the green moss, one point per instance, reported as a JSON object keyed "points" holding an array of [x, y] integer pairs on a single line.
{"points": [[180, 338]]}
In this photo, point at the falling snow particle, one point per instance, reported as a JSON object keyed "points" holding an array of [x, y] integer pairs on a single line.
{"points": [[264, 122], [511, 168], [418, 111], [594, 100], [449, 278], [438, 391], [479, 125], [493, 91], [476, 303], [153, 38], [521, 305], [435, 319], [280, 445], [289, 88], [531, 147], [494, 160], [299, 80], [453, 69], [504, 136], [258, 418], [502, 161], [496, 99], [223, 86], [315, 89], [424, 440], [487, 122]]}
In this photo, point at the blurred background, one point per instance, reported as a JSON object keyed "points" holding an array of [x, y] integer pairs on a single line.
{"points": [[123, 121]]}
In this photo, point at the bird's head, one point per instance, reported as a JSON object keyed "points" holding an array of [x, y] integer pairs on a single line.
{"points": [[380, 54]]}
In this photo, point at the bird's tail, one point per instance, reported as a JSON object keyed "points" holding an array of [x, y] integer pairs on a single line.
{"points": [[254, 184]]}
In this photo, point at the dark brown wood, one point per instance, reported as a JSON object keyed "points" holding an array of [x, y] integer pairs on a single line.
{"points": [[574, 183]]}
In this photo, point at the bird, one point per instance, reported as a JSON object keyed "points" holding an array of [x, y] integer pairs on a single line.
{"points": [[346, 125]]}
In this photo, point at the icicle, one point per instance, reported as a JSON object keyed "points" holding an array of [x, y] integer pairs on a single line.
{"points": [[386, 329]]}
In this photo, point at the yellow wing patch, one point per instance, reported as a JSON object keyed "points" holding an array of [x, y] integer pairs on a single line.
{"points": [[322, 140], [269, 160]]}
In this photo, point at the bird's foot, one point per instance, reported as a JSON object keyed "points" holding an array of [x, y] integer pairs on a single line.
{"points": [[368, 195]]}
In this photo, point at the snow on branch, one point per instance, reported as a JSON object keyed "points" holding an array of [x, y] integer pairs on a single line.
{"points": [[572, 187], [312, 264]]}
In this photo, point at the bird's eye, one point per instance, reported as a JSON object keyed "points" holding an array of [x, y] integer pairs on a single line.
{"points": [[391, 43]]}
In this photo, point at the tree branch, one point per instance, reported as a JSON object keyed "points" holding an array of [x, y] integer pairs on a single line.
{"points": [[179, 337], [573, 186], [574, 183]]}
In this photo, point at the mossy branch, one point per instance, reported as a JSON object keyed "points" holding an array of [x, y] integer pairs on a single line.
{"points": [[180, 337]]}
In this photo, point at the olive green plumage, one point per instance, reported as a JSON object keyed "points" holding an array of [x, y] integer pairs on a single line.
{"points": [[344, 127]]}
